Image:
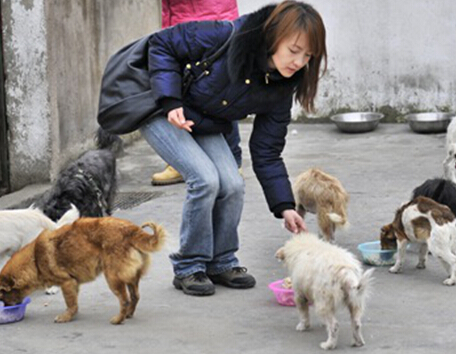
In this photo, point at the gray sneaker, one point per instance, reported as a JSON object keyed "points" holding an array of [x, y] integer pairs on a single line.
{"points": [[236, 277], [197, 284]]}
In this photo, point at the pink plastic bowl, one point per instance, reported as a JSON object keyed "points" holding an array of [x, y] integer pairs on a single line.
{"points": [[284, 297], [9, 314]]}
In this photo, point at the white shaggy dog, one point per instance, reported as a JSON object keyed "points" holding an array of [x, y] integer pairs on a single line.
{"points": [[20, 226], [319, 193], [329, 277], [449, 164]]}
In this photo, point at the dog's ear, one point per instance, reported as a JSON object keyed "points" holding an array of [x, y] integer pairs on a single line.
{"points": [[6, 284], [386, 228], [280, 254], [388, 237], [388, 232]]}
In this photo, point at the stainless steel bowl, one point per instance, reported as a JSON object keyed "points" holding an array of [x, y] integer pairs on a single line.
{"points": [[357, 122], [432, 122]]}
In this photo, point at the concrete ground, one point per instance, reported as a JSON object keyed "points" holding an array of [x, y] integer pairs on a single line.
{"points": [[407, 313]]}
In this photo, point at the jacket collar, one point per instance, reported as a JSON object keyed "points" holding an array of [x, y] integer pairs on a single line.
{"points": [[247, 52]]}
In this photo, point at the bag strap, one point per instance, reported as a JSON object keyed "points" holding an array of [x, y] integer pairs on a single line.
{"points": [[208, 61], [200, 69]]}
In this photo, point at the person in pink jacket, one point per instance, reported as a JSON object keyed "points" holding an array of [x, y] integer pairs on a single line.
{"points": [[178, 11]]}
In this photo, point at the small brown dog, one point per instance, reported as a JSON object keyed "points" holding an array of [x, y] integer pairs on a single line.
{"points": [[319, 193], [78, 253]]}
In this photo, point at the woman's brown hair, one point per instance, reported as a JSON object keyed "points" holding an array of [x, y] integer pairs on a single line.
{"points": [[288, 18]]}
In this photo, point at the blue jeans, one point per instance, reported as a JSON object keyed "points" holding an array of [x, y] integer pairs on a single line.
{"points": [[234, 140], [215, 197]]}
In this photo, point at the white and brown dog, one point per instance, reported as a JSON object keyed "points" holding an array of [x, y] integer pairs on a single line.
{"points": [[319, 193], [330, 277], [429, 223]]}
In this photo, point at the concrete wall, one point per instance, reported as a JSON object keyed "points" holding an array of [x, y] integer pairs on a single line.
{"points": [[54, 53], [387, 55], [394, 56]]}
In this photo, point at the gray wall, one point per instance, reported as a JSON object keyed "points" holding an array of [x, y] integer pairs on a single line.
{"points": [[394, 56], [55, 52]]}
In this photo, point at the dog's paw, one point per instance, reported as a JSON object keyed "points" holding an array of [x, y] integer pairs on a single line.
{"points": [[327, 345], [302, 326], [63, 318], [394, 270], [118, 319], [358, 343], [449, 282], [52, 290]]}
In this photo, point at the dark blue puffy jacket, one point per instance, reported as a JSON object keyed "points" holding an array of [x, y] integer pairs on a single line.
{"points": [[238, 84]]}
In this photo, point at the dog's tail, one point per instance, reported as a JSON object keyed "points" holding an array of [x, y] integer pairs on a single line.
{"points": [[146, 242], [357, 288], [69, 217], [106, 140], [339, 220]]}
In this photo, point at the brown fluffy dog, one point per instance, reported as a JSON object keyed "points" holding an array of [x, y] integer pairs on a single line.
{"points": [[319, 193], [78, 253]]}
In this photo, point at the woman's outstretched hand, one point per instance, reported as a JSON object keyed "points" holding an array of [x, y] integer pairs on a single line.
{"points": [[293, 221], [176, 117]]}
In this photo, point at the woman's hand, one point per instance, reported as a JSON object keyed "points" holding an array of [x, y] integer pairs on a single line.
{"points": [[293, 221], [176, 117]]}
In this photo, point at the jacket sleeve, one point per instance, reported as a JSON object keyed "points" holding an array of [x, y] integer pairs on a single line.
{"points": [[266, 145], [172, 48]]}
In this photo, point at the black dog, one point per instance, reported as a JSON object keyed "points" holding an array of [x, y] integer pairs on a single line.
{"points": [[89, 182], [440, 190]]}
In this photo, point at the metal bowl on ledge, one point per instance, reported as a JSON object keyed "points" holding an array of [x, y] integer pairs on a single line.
{"points": [[431, 122], [357, 122]]}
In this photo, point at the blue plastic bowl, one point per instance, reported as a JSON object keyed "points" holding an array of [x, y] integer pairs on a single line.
{"points": [[9, 314], [372, 254]]}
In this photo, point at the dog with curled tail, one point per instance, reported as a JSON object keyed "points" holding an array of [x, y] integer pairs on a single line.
{"points": [[76, 254], [319, 193], [329, 277]]}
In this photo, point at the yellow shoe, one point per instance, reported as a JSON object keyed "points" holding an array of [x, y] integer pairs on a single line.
{"points": [[168, 176]]}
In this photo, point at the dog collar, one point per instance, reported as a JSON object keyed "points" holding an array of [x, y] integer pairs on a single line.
{"points": [[83, 175]]}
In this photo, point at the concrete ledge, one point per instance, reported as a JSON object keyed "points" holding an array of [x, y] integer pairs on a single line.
{"points": [[24, 197]]}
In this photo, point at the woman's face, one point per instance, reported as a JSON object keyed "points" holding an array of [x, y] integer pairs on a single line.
{"points": [[292, 54]]}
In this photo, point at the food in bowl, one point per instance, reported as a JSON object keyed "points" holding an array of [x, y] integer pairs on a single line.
{"points": [[286, 284], [372, 254], [10, 314], [283, 292]]}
